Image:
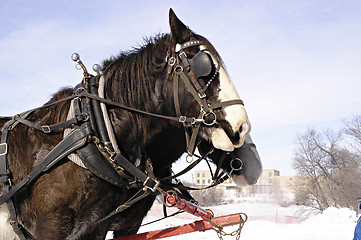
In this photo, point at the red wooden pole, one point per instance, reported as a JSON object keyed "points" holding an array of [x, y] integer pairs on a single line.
{"points": [[200, 225]]}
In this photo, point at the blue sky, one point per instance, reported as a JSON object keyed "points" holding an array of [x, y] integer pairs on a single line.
{"points": [[296, 64]]}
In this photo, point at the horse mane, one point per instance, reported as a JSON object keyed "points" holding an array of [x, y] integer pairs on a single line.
{"points": [[130, 76]]}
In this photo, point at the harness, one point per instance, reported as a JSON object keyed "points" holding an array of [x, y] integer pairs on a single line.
{"points": [[92, 137]]}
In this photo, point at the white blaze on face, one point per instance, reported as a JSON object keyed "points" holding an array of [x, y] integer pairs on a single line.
{"points": [[235, 114]]}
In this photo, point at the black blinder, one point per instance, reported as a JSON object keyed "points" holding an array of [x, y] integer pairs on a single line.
{"points": [[201, 65]]}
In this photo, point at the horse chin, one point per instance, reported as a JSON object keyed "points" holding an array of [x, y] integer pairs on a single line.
{"points": [[239, 180], [220, 140], [239, 143]]}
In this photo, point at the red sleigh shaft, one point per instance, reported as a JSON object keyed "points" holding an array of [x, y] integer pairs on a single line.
{"points": [[184, 205]]}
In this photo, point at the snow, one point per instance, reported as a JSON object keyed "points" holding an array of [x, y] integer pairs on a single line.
{"points": [[332, 224], [267, 220]]}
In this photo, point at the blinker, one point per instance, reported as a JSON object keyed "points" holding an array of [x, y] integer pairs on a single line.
{"points": [[201, 65]]}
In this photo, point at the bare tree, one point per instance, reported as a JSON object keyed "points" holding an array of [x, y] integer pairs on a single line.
{"points": [[331, 171], [209, 197], [353, 130]]}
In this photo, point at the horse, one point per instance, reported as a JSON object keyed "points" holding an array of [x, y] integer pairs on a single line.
{"points": [[178, 74]]}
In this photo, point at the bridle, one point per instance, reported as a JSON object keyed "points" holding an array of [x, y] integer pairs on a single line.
{"points": [[190, 71]]}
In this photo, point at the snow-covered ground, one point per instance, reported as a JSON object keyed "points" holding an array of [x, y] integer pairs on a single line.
{"points": [[269, 221]]}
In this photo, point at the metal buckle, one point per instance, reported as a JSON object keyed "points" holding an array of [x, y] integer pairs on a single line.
{"points": [[46, 129], [5, 149], [182, 55], [182, 119], [201, 96], [154, 188]]}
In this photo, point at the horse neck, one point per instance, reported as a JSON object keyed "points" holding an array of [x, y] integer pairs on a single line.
{"points": [[165, 149], [56, 113], [137, 79]]}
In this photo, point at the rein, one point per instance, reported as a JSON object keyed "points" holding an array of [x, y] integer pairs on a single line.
{"points": [[181, 119]]}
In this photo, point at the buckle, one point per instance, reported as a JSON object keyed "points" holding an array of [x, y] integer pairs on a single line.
{"points": [[46, 129], [3, 149], [153, 189], [182, 119], [202, 95], [182, 55]]}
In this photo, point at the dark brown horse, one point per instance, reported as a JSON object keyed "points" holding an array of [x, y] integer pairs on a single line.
{"points": [[68, 201]]}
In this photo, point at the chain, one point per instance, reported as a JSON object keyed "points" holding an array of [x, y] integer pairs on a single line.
{"points": [[221, 233]]}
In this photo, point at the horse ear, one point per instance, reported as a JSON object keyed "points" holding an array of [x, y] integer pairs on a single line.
{"points": [[180, 32]]}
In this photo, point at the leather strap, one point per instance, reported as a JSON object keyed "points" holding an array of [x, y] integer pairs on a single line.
{"points": [[98, 116], [227, 103], [189, 167], [126, 205], [4, 171], [148, 182], [182, 119], [73, 141], [54, 127], [182, 187], [216, 175]]}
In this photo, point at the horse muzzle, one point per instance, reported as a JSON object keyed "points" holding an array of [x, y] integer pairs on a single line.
{"points": [[225, 140]]}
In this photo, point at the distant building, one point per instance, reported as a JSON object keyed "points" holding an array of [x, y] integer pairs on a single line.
{"points": [[205, 178], [270, 181]]}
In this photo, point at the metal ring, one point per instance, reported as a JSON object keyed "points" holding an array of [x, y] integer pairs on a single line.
{"points": [[78, 91], [78, 67], [172, 195], [236, 168], [178, 69], [85, 116], [189, 156], [172, 61], [205, 114]]}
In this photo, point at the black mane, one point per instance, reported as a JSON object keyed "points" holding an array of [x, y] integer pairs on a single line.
{"points": [[133, 73]]}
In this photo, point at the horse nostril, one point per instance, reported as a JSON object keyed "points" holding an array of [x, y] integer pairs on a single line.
{"points": [[237, 136]]}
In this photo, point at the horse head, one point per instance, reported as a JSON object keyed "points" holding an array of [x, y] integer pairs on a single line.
{"points": [[197, 84], [208, 92], [178, 74]]}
